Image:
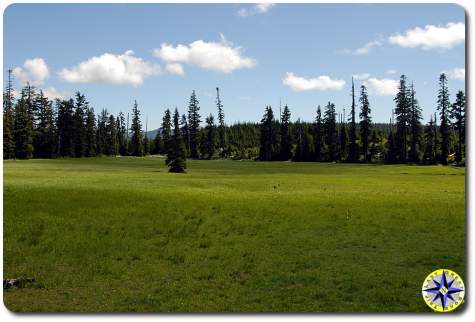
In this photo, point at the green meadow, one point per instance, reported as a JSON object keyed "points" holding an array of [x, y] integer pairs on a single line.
{"points": [[124, 235]]}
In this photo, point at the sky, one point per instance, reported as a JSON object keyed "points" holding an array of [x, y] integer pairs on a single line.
{"points": [[302, 55]]}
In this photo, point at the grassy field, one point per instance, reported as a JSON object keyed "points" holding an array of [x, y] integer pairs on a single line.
{"points": [[123, 234]]}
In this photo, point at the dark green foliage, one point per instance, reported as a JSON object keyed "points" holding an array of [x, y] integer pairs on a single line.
{"points": [[415, 125], [329, 121], [457, 112], [430, 152], [185, 134], [318, 135], [194, 124], [23, 126], [112, 143], [221, 126], [90, 135], [403, 114], [375, 146], [365, 123], [208, 148], [45, 139], [343, 142], [8, 121], [102, 120], [443, 106], [176, 158], [268, 149], [353, 146], [121, 134], [285, 137], [79, 130], [166, 130], [137, 134]]}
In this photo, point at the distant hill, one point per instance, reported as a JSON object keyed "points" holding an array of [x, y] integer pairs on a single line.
{"points": [[152, 134]]}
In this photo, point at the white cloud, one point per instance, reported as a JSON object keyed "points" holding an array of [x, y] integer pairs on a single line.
{"points": [[431, 37], [361, 76], [109, 68], [34, 71], [391, 71], [175, 69], [381, 87], [219, 56], [259, 8], [456, 73], [320, 83], [362, 50], [52, 93]]}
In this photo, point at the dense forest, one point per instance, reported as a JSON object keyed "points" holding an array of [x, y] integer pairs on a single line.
{"points": [[37, 127]]}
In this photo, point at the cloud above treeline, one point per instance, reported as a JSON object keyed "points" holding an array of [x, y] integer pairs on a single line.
{"points": [[256, 9], [221, 56], [34, 71], [455, 73], [319, 83], [381, 87], [120, 69]]}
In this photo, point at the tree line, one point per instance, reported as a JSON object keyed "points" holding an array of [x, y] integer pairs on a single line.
{"points": [[36, 127]]}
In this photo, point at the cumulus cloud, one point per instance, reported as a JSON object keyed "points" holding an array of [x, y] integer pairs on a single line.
{"points": [[53, 93], [109, 68], [34, 71], [361, 76], [220, 56], [431, 37], [381, 87], [456, 73], [259, 8], [362, 50], [175, 69], [320, 83], [391, 71]]}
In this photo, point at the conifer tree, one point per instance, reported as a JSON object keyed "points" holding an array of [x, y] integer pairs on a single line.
{"points": [[443, 106], [343, 142], [374, 149], [268, 149], [137, 134], [365, 123], [101, 136], [79, 128], [402, 112], [112, 142], [457, 112], [166, 130], [146, 141], [8, 121], [299, 150], [329, 120], [185, 134], [430, 154], [221, 126], [353, 154], [90, 135], [194, 124], [318, 135], [285, 137], [45, 138], [23, 127], [121, 134], [176, 159], [415, 124], [65, 127], [210, 140]]}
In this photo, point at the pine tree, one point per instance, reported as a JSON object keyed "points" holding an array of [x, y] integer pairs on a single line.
{"points": [[210, 141], [79, 130], [353, 154], [112, 143], [443, 106], [194, 124], [374, 149], [65, 127], [268, 149], [285, 137], [329, 120], [457, 112], [101, 135], [185, 134], [221, 126], [23, 128], [166, 130], [90, 135], [8, 121], [430, 154], [365, 122], [299, 150], [436, 140], [402, 112], [122, 134], [137, 134], [343, 142], [318, 135], [415, 124], [146, 141], [176, 159], [45, 138]]}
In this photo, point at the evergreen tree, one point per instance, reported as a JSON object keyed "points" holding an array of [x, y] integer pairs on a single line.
{"points": [[137, 134], [457, 112], [221, 125], [23, 128], [436, 140], [430, 155], [343, 142], [392, 148], [365, 122], [112, 142], [268, 149], [443, 106], [415, 124], [318, 135], [285, 137], [90, 134], [65, 127], [299, 150], [146, 141], [101, 136], [329, 120], [45, 138], [8, 121], [374, 149], [185, 134], [353, 154], [402, 112], [121, 134], [79, 126], [194, 124], [166, 130], [210, 141], [176, 159]]}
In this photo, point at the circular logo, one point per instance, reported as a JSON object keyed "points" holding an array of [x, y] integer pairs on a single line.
{"points": [[443, 290]]}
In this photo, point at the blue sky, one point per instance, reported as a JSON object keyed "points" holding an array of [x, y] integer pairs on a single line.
{"points": [[301, 54]]}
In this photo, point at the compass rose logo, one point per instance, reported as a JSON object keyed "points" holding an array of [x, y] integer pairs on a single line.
{"points": [[443, 290]]}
